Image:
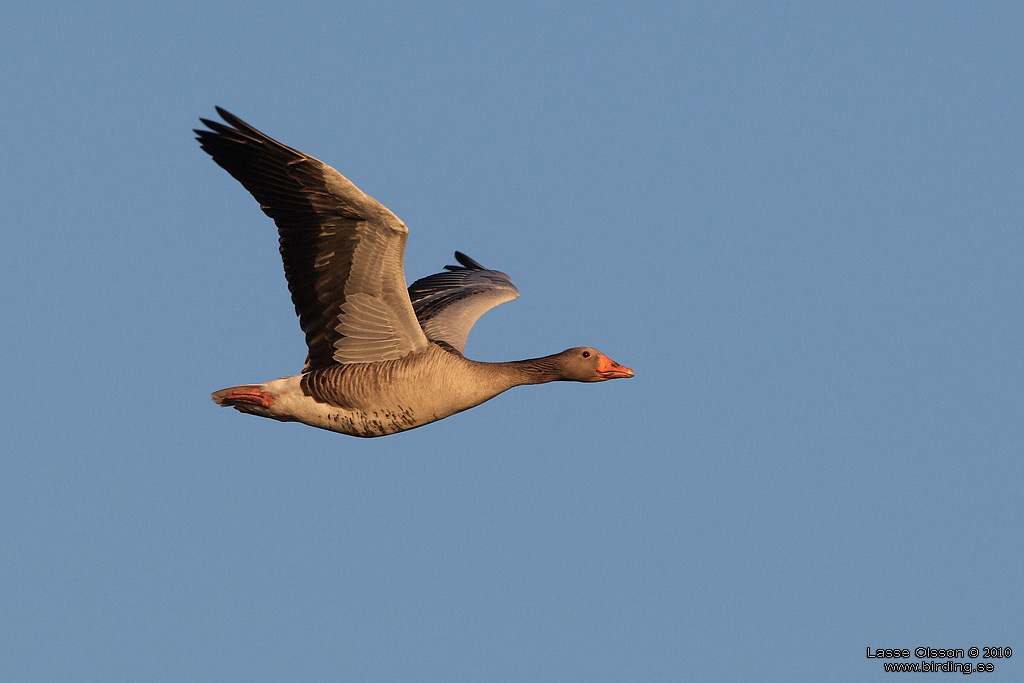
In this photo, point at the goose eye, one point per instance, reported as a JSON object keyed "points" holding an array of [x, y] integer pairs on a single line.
{"points": [[586, 354]]}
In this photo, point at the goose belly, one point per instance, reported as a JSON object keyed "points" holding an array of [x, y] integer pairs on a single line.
{"points": [[356, 418], [370, 405]]}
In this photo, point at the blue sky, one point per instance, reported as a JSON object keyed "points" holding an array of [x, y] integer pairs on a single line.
{"points": [[800, 223]]}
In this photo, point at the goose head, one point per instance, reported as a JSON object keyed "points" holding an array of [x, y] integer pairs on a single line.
{"points": [[586, 364]]}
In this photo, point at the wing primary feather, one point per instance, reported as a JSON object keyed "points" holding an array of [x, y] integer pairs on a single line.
{"points": [[466, 262]]}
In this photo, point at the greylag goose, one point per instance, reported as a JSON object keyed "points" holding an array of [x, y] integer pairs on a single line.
{"points": [[382, 358]]}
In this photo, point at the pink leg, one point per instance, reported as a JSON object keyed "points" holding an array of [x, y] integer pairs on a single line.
{"points": [[251, 395]]}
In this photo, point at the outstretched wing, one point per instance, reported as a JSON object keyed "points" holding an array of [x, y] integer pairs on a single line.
{"points": [[448, 304], [342, 249]]}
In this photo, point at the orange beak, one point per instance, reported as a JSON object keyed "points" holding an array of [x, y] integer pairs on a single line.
{"points": [[609, 369]]}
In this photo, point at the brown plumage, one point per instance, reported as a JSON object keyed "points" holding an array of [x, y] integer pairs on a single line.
{"points": [[382, 358]]}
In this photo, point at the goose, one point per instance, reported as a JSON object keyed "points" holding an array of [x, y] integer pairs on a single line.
{"points": [[382, 358]]}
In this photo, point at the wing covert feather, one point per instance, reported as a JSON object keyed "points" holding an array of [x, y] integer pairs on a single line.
{"points": [[449, 303]]}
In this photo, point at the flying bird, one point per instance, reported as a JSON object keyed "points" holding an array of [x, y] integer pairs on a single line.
{"points": [[382, 358]]}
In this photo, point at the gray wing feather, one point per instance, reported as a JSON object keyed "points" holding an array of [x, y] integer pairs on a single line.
{"points": [[448, 304], [342, 249]]}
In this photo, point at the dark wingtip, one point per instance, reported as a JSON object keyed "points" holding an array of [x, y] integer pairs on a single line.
{"points": [[214, 127], [467, 263], [232, 119], [233, 128], [235, 124]]}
